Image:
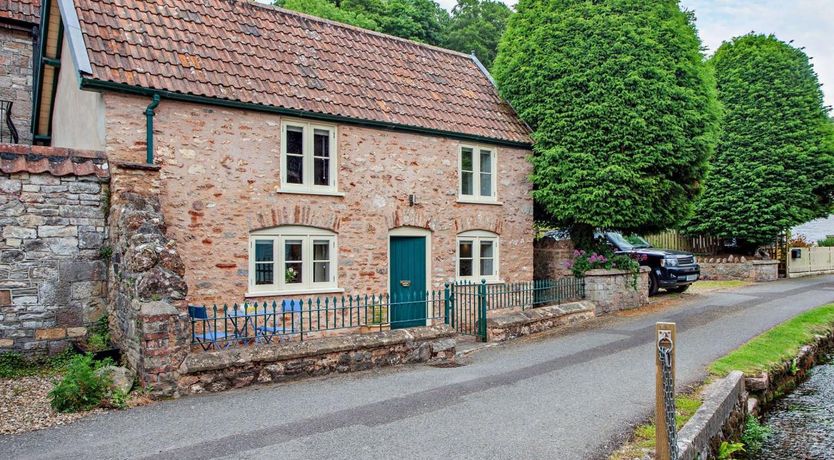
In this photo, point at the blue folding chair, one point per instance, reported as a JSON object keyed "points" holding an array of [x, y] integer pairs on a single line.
{"points": [[208, 338], [281, 330]]}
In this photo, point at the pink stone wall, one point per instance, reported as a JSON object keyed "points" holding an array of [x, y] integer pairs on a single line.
{"points": [[221, 175]]}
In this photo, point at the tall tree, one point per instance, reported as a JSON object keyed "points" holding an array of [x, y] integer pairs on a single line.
{"points": [[330, 10], [420, 20], [622, 106], [476, 26], [774, 166]]}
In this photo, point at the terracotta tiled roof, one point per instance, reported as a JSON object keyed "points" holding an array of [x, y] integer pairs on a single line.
{"points": [[258, 54], [17, 158], [21, 10]]}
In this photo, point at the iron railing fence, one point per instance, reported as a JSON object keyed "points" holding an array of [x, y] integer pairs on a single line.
{"points": [[469, 298], [8, 132], [462, 305]]}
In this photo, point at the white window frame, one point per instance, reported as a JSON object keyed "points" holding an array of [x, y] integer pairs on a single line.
{"points": [[279, 236], [476, 237], [308, 162], [476, 196]]}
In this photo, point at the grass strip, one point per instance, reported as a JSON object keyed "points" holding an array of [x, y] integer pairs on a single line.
{"points": [[777, 345]]}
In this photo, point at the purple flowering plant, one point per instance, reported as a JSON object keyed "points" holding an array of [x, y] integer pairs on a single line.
{"points": [[602, 257]]}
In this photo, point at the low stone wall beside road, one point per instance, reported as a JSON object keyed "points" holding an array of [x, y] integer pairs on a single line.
{"points": [[720, 418], [615, 290], [520, 323], [738, 269], [239, 367]]}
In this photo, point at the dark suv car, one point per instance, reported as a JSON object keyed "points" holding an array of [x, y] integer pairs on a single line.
{"points": [[674, 271]]}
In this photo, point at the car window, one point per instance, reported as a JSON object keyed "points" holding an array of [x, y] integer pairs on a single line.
{"points": [[619, 241]]}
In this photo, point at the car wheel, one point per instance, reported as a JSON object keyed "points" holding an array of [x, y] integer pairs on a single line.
{"points": [[679, 289], [652, 284]]}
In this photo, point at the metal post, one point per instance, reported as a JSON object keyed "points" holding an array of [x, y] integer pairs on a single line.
{"points": [[482, 312], [666, 432], [447, 303]]}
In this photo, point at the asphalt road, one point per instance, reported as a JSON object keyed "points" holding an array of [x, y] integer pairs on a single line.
{"points": [[566, 396]]}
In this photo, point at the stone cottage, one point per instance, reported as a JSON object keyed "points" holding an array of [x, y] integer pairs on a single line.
{"points": [[19, 23], [293, 156]]}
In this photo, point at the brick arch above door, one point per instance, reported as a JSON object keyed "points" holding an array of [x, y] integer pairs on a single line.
{"points": [[410, 217]]}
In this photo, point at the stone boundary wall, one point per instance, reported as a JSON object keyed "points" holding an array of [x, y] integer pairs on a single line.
{"points": [[738, 269], [516, 324], [239, 367], [721, 417], [615, 290], [53, 231], [727, 402], [149, 319], [550, 258]]}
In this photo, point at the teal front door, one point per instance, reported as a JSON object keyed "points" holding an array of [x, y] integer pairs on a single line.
{"points": [[408, 281]]}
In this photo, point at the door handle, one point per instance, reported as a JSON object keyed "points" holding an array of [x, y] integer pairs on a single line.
{"points": [[405, 283]]}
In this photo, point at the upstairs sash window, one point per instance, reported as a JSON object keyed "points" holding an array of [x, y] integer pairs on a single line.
{"points": [[308, 153]]}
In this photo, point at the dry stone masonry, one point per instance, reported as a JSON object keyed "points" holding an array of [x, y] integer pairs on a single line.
{"points": [[738, 268], [16, 48], [52, 231], [147, 294]]}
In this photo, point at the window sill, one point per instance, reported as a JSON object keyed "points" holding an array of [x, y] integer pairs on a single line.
{"points": [[310, 192], [299, 292], [462, 280], [477, 201]]}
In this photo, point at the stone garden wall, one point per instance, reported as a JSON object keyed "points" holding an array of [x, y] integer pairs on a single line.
{"points": [[738, 268], [514, 324], [615, 290], [52, 235], [238, 367]]}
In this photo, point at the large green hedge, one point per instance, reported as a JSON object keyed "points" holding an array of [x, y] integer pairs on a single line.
{"points": [[622, 105], [774, 166]]}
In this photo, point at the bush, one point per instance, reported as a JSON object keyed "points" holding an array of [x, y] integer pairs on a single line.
{"points": [[754, 436], [601, 257], [99, 338], [828, 242], [13, 364], [80, 389]]}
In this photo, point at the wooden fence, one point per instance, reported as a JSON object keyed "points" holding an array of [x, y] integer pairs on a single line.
{"points": [[674, 240]]}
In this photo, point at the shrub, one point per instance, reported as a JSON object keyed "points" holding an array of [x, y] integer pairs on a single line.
{"points": [[80, 389], [799, 241], [828, 242], [604, 258], [99, 338], [754, 436], [13, 364]]}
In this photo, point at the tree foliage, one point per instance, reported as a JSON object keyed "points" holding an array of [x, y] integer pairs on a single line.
{"points": [[622, 106], [420, 20], [476, 26], [774, 165]]}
